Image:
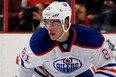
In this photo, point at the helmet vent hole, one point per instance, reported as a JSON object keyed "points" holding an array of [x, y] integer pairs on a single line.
{"points": [[60, 10]]}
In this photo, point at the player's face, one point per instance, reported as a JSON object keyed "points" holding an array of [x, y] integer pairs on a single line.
{"points": [[54, 28]]}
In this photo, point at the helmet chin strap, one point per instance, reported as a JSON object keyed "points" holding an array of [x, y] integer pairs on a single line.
{"points": [[60, 36], [65, 31]]}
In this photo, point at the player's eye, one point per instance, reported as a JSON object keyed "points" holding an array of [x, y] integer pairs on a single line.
{"points": [[52, 23]]}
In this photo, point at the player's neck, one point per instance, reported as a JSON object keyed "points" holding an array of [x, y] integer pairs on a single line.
{"points": [[64, 37]]}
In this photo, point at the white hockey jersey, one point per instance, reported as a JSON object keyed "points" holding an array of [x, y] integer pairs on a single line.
{"points": [[84, 54]]}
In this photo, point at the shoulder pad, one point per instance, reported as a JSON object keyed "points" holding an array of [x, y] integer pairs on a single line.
{"points": [[40, 42], [88, 37]]}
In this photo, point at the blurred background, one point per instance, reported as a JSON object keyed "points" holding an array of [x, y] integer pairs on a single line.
{"points": [[25, 15]]}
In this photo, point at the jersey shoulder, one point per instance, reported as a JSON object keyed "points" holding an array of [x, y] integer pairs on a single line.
{"points": [[40, 42], [88, 37]]}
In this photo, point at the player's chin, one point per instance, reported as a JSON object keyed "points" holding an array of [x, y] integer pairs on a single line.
{"points": [[52, 38]]}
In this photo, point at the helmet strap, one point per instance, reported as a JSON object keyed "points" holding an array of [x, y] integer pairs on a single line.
{"points": [[60, 36], [64, 31]]}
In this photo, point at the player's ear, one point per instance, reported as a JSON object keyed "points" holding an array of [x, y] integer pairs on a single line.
{"points": [[66, 21]]}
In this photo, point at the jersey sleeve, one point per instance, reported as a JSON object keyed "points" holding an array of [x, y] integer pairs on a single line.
{"points": [[94, 44], [101, 56], [28, 59]]}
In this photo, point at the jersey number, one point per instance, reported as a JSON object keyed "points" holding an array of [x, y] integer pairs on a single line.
{"points": [[106, 54], [25, 56]]}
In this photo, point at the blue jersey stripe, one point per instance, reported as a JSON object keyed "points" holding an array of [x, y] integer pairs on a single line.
{"points": [[106, 74], [38, 72], [22, 63], [110, 65], [48, 73], [87, 73]]}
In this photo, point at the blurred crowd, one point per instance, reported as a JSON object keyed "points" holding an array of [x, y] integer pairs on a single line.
{"points": [[98, 14], [26, 15]]}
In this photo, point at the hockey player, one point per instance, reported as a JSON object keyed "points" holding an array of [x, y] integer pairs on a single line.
{"points": [[62, 49]]}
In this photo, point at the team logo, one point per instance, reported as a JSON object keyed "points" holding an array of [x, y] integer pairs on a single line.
{"points": [[65, 46], [67, 65]]}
